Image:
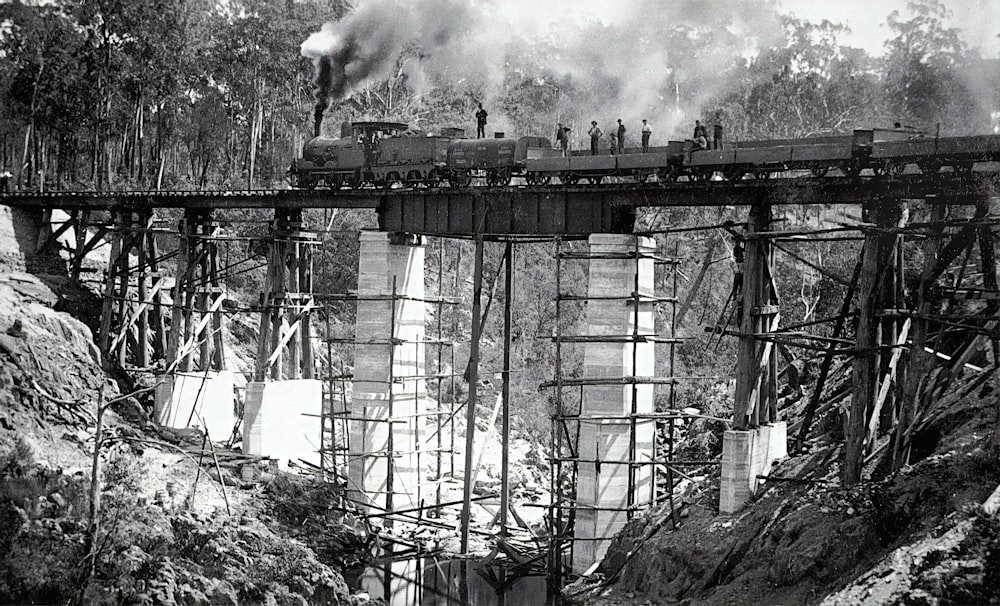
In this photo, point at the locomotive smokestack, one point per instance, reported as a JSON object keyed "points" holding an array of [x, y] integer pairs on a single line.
{"points": [[365, 45], [318, 117]]}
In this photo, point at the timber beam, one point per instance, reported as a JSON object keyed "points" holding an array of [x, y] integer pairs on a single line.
{"points": [[756, 364], [955, 188], [132, 318], [284, 347], [196, 325]]}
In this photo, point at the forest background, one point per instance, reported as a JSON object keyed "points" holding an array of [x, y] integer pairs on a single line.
{"points": [[211, 94]]}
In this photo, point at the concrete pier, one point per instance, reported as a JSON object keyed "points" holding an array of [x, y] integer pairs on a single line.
{"points": [[605, 490], [197, 399], [281, 420], [388, 394], [747, 454]]}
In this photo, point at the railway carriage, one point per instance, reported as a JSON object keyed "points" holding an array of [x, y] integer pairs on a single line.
{"points": [[931, 154], [384, 154], [663, 161], [495, 160]]}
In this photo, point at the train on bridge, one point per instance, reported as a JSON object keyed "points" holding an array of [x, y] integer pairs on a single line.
{"points": [[387, 154]]}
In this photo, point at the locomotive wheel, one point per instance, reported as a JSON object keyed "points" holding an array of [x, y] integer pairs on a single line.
{"points": [[895, 168], [462, 179], [595, 180], [543, 179], [498, 177], [433, 178], [568, 178], [763, 175], [391, 179], [732, 173], [852, 168], [819, 171], [641, 177], [667, 174], [929, 166]]}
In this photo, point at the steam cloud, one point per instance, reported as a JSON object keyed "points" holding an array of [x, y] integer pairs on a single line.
{"points": [[366, 44], [636, 63]]}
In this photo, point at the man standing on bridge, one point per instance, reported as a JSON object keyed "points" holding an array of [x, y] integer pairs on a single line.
{"points": [[5, 177], [621, 137], [646, 132]]}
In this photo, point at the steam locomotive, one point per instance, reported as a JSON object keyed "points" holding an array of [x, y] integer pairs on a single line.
{"points": [[384, 154]]}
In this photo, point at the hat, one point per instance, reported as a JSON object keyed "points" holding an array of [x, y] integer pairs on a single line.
{"points": [[594, 122]]}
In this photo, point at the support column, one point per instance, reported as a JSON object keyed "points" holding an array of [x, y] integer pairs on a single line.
{"points": [[388, 363], [757, 437], [195, 389], [620, 309], [284, 346], [131, 300], [283, 413], [195, 341], [877, 270]]}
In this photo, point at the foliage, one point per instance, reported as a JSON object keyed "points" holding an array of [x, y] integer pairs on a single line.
{"points": [[923, 69]]}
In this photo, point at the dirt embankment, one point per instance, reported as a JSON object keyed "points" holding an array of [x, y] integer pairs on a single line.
{"points": [[166, 533], [917, 537]]}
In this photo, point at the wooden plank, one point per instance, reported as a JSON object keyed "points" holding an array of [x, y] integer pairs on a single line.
{"points": [[876, 257], [747, 362], [264, 330], [287, 336], [182, 275], [189, 345], [766, 357], [107, 308], [919, 362], [134, 317], [887, 383]]}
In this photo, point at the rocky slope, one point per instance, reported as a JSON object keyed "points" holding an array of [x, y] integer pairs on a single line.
{"points": [[168, 532], [917, 537]]}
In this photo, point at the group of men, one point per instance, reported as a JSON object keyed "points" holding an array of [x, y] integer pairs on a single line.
{"points": [[616, 139], [700, 136]]}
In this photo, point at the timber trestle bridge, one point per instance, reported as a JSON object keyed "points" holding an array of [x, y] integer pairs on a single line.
{"points": [[380, 418]]}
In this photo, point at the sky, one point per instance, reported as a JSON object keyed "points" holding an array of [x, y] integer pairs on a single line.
{"points": [[979, 20]]}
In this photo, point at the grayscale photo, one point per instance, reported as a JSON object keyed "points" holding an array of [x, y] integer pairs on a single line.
{"points": [[499, 302]]}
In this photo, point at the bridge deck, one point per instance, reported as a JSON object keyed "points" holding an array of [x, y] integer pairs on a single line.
{"points": [[537, 210]]}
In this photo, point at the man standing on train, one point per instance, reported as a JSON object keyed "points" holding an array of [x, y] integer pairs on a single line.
{"points": [[699, 130], [562, 138], [481, 122], [595, 137], [646, 132], [621, 137]]}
